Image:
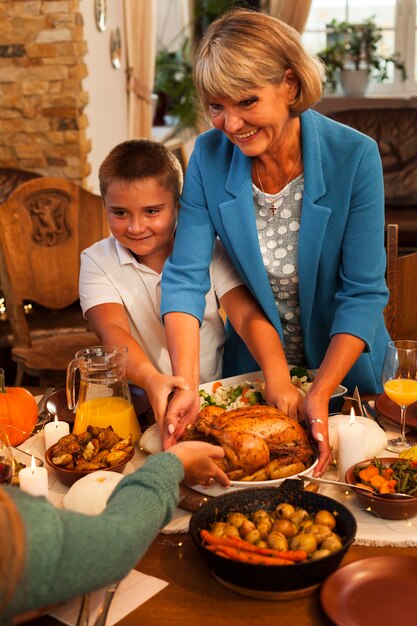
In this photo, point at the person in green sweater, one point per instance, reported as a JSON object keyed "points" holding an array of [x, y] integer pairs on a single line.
{"points": [[48, 555]]}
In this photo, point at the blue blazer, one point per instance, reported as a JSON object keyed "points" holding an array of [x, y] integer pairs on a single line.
{"points": [[341, 255]]}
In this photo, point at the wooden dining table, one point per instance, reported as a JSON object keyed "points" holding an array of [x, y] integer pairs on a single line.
{"points": [[194, 597]]}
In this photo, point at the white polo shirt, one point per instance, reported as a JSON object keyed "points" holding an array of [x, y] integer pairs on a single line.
{"points": [[110, 273]]}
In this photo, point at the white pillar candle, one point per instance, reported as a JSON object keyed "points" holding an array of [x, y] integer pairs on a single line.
{"points": [[53, 432], [350, 445], [34, 480]]}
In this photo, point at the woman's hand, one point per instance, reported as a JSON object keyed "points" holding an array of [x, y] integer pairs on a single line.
{"points": [[316, 416], [285, 397], [199, 460], [182, 409]]}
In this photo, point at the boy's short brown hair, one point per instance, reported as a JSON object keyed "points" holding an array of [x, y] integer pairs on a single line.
{"points": [[137, 159]]}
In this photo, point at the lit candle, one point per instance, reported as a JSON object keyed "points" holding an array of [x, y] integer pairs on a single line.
{"points": [[53, 432], [350, 444], [34, 480]]}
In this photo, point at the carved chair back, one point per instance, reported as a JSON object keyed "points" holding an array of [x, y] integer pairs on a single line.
{"points": [[44, 225], [400, 313]]}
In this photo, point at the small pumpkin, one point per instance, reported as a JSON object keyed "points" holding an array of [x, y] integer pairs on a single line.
{"points": [[18, 412]]}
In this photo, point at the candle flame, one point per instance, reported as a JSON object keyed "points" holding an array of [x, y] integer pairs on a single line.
{"points": [[33, 464], [56, 421], [352, 417]]}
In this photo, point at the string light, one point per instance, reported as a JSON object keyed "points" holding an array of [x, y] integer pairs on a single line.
{"points": [[27, 308]]}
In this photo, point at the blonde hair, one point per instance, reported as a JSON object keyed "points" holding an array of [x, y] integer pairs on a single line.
{"points": [[244, 50], [12, 548]]}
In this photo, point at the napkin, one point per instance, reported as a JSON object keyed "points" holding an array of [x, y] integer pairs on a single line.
{"points": [[133, 591], [180, 523]]}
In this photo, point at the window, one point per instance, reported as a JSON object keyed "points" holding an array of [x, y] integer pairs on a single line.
{"points": [[398, 20]]}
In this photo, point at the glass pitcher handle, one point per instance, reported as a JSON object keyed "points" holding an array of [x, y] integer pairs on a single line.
{"points": [[70, 383]]}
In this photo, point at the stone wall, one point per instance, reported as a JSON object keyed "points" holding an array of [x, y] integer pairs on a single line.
{"points": [[42, 120]]}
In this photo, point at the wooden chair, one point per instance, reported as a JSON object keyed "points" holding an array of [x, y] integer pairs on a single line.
{"points": [[44, 225], [400, 313]]}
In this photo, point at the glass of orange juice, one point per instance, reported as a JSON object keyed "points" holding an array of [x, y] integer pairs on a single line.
{"points": [[399, 377]]}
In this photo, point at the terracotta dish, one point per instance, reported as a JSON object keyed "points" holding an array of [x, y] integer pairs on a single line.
{"points": [[70, 476], [379, 590], [382, 507]]}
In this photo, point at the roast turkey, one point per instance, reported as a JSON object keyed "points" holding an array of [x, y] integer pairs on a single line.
{"points": [[260, 442]]}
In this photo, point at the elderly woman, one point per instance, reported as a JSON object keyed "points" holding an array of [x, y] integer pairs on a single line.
{"points": [[297, 200]]}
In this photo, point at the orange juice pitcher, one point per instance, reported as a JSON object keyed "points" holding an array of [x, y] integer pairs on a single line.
{"points": [[104, 397]]}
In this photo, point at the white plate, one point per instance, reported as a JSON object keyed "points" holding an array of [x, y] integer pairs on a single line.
{"points": [[217, 490]]}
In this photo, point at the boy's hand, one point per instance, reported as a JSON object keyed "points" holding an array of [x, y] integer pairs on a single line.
{"points": [[182, 409], [199, 460], [159, 389]]}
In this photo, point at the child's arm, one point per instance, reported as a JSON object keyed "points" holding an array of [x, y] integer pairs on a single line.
{"points": [[110, 322], [264, 343]]}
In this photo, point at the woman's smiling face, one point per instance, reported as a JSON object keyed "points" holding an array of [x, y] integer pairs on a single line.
{"points": [[258, 121]]}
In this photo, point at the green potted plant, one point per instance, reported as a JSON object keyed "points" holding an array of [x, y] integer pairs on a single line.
{"points": [[353, 52], [175, 88]]}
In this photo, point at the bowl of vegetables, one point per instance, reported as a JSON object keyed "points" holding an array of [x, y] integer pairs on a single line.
{"points": [[249, 389], [272, 541], [383, 476]]}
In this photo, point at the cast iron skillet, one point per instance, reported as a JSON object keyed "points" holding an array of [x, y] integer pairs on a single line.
{"points": [[276, 577]]}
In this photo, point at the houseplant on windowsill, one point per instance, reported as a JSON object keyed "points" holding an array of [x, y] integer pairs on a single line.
{"points": [[175, 88], [353, 53]]}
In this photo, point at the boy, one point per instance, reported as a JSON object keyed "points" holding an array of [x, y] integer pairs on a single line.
{"points": [[140, 182]]}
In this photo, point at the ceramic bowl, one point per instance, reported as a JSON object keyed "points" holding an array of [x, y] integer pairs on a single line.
{"points": [[258, 580], [337, 399], [382, 507], [70, 476]]}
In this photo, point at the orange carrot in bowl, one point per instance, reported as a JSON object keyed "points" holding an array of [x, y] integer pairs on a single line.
{"points": [[248, 557], [367, 473], [241, 544]]}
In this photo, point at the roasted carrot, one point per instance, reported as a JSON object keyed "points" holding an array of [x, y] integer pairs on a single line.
{"points": [[216, 385], [291, 555], [388, 486], [226, 540], [241, 544], [367, 473], [244, 398], [217, 550], [248, 557], [377, 480], [387, 473]]}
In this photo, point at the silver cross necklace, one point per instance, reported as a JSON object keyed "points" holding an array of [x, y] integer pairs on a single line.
{"points": [[273, 208]]}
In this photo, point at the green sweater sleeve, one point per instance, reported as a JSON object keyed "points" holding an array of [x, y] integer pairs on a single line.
{"points": [[69, 554]]}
